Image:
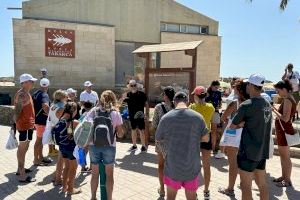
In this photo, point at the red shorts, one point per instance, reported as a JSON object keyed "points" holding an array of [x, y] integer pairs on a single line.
{"points": [[191, 185], [40, 129]]}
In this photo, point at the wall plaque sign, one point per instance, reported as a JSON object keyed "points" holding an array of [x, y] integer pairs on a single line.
{"points": [[59, 43]]}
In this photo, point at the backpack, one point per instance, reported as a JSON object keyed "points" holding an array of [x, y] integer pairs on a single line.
{"points": [[103, 135], [36, 100]]}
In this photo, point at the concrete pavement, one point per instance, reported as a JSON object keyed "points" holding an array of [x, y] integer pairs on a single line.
{"points": [[135, 177]]}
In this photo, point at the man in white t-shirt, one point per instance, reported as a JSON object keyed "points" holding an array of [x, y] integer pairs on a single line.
{"points": [[294, 78], [88, 95]]}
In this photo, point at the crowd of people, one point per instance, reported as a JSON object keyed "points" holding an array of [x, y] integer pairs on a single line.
{"points": [[246, 123]]}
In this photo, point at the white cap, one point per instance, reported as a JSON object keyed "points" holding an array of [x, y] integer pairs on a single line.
{"points": [[256, 79], [88, 84], [44, 82], [27, 77], [71, 91], [132, 82], [44, 70]]}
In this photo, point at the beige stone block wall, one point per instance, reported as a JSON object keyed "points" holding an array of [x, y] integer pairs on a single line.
{"points": [[94, 53], [209, 55]]}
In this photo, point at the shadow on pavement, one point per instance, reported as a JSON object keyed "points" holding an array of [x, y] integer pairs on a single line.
{"points": [[136, 163], [51, 194], [219, 164]]}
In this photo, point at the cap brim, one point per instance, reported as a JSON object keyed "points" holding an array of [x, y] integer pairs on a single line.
{"points": [[33, 79], [246, 80]]}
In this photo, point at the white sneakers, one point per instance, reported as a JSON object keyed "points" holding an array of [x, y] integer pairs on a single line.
{"points": [[220, 155]]}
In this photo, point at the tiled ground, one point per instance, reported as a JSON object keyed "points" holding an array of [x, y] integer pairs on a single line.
{"points": [[135, 177]]}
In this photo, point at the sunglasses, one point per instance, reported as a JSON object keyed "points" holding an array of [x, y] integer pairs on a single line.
{"points": [[133, 85]]}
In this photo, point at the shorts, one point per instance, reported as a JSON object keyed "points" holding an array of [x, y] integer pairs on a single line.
{"points": [[188, 185], [216, 119], [105, 155], [25, 135], [67, 154], [137, 123], [250, 165], [206, 145], [40, 129]]}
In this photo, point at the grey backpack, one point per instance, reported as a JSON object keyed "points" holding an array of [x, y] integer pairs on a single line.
{"points": [[103, 129]]}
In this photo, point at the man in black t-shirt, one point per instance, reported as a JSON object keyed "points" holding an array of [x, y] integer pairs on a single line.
{"points": [[136, 101], [215, 98], [41, 102], [255, 116]]}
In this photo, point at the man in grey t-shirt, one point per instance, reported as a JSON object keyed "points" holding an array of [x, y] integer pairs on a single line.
{"points": [[256, 115], [182, 130]]}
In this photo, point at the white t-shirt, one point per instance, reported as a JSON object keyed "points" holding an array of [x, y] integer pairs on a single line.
{"points": [[89, 97], [294, 78]]}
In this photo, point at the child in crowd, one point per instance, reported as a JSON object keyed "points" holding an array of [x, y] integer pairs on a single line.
{"points": [[63, 135]]}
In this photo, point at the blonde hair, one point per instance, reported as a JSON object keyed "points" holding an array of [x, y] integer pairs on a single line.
{"points": [[108, 100], [59, 95]]}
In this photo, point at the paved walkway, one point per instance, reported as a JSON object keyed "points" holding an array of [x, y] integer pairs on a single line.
{"points": [[135, 177]]}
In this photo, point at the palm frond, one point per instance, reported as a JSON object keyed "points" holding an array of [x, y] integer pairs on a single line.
{"points": [[283, 4]]}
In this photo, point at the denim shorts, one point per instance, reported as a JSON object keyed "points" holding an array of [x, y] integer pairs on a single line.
{"points": [[105, 155]]}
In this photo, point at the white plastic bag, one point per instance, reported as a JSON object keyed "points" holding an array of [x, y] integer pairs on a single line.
{"points": [[47, 135], [12, 142], [231, 137]]}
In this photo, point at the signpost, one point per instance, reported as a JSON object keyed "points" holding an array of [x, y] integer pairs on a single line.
{"points": [[103, 193]]}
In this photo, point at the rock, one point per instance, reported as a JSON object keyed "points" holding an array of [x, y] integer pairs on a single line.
{"points": [[6, 116]]}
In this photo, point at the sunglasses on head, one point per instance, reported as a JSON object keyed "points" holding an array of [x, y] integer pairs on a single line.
{"points": [[133, 85]]}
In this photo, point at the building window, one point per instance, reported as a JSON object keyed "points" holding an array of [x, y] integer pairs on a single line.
{"points": [[173, 28], [204, 30], [193, 29], [183, 28], [163, 27]]}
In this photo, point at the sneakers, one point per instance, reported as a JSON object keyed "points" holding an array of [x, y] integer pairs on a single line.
{"points": [[133, 148], [206, 195], [143, 149], [220, 155]]}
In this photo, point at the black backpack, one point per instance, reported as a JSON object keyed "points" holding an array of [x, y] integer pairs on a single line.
{"points": [[103, 129]]}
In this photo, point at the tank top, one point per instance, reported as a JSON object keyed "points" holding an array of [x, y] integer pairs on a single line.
{"points": [[287, 126], [53, 119], [26, 118]]}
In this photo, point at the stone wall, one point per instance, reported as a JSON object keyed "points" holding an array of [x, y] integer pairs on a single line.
{"points": [[94, 49], [208, 57]]}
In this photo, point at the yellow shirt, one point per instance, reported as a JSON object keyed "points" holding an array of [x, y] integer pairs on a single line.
{"points": [[206, 110]]}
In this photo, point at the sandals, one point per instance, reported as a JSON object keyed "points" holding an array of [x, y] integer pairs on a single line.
{"points": [[46, 160], [75, 191], [29, 179], [278, 180], [42, 164], [26, 171], [284, 184], [161, 193], [227, 192]]}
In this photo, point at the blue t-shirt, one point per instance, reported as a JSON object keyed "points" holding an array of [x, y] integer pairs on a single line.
{"points": [[63, 139], [39, 98]]}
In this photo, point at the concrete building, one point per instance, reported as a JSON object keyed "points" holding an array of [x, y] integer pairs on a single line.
{"points": [[105, 32]]}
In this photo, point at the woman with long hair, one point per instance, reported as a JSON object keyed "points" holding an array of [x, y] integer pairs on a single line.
{"points": [[283, 124], [159, 111], [241, 92], [105, 154]]}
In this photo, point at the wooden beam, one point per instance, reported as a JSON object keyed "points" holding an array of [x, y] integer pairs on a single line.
{"points": [[191, 52]]}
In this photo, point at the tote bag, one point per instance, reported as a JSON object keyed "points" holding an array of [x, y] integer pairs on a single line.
{"points": [[231, 137], [292, 140]]}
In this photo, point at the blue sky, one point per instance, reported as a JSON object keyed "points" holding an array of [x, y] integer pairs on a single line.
{"points": [[256, 37]]}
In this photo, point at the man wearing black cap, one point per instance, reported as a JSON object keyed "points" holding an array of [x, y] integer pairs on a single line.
{"points": [[181, 130], [159, 111]]}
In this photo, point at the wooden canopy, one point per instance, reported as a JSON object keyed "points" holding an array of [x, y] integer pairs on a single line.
{"points": [[180, 46]]}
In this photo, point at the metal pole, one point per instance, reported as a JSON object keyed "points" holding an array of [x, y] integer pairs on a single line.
{"points": [[103, 193]]}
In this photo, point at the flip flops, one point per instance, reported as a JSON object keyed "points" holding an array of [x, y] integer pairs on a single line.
{"points": [[75, 191], [26, 171], [278, 180], [46, 160], [29, 179], [284, 184], [227, 192]]}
